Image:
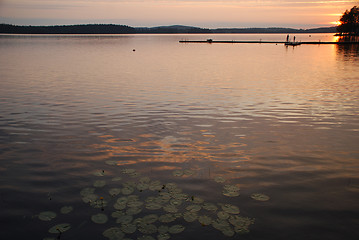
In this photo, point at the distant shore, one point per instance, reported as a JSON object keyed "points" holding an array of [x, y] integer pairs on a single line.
{"points": [[123, 29]]}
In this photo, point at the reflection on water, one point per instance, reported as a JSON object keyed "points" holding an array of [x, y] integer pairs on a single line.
{"points": [[209, 118]]}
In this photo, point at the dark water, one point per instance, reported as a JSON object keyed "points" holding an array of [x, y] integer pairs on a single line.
{"points": [[268, 119]]}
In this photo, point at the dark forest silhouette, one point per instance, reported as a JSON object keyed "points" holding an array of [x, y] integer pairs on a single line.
{"points": [[122, 29]]}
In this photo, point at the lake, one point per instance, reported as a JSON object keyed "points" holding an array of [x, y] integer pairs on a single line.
{"points": [[143, 137]]}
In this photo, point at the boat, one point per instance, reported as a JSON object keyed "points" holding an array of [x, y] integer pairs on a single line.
{"points": [[292, 43]]}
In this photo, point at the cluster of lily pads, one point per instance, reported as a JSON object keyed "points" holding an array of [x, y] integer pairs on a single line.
{"points": [[136, 206]]}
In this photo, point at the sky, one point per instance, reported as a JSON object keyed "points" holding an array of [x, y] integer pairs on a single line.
{"points": [[200, 13]]}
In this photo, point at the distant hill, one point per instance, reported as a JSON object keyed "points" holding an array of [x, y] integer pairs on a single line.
{"points": [[122, 29], [67, 29]]}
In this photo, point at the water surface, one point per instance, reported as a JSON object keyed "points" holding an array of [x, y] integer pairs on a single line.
{"points": [[282, 121]]}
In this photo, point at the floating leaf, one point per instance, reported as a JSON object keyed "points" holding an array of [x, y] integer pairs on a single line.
{"points": [[176, 229], [150, 218], [142, 186], [228, 231], [220, 224], [128, 228], [128, 170], [116, 179], [111, 162], [117, 214], [260, 197], [231, 191], [222, 215], [197, 200], [219, 179], [47, 216], [229, 208], [114, 191], [155, 186], [124, 219], [162, 229], [113, 233], [145, 180], [99, 218], [170, 209], [210, 207], [147, 228], [190, 216], [177, 173], [175, 202], [163, 236], [87, 191], [205, 220], [99, 183], [166, 218], [66, 209], [144, 237], [127, 190], [153, 206], [90, 198], [188, 172], [193, 208], [134, 204], [60, 228], [133, 211], [99, 173]]}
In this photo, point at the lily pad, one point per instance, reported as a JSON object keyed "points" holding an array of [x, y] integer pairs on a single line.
{"points": [[260, 197], [111, 162], [145, 237], [66, 209], [116, 179], [163, 236], [193, 208], [170, 208], [99, 183], [127, 190], [229, 208], [176, 202], [222, 215], [150, 218], [99, 218], [205, 220], [167, 218], [162, 229], [210, 207], [231, 191], [99, 173], [190, 216], [114, 191], [125, 219], [87, 191], [142, 186], [188, 172], [133, 210], [147, 228], [177, 173], [228, 231], [128, 228], [113, 233], [153, 206], [219, 179], [60, 228], [176, 229], [47, 215]]}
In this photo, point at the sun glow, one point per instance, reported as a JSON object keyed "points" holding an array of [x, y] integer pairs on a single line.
{"points": [[335, 23]]}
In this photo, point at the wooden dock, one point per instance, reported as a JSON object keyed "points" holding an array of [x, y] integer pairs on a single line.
{"points": [[260, 41]]}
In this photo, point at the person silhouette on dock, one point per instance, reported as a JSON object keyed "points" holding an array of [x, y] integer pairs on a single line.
{"points": [[288, 38], [294, 39]]}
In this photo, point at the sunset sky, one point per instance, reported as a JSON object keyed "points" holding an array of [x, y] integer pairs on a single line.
{"points": [[200, 13]]}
